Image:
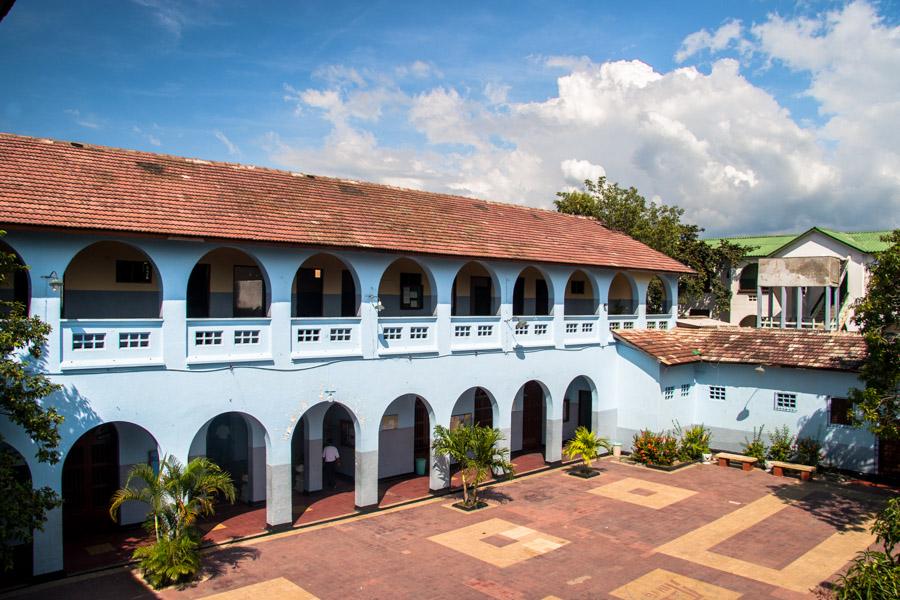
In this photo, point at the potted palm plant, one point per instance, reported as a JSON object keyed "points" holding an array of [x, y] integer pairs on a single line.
{"points": [[478, 453], [178, 496], [587, 445]]}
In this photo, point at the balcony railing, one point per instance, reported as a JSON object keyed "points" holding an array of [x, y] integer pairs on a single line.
{"points": [[581, 330], [532, 331], [658, 321], [622, 322], [228, 340], [103, 343], [474, 333], [405, 335], [313, 337]]}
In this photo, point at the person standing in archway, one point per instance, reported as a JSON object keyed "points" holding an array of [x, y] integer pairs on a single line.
{"points": [[332, 459]]}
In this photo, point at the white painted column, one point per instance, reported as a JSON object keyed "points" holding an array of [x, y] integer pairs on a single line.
{"points": [[444, 272], [559, 279], [783, 307], [279, 492], [642, 280], [47, 549], [366, 465], [369, 269], [799, 307], [828, 308], [601, 280], [438, 466], [507, 275], [281, 268]]}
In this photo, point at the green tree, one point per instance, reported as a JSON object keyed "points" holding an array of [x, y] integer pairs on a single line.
{"points": [[876, 574], [22, 387], [660, 227], [587, 445], [878, 317], [478, 453]]}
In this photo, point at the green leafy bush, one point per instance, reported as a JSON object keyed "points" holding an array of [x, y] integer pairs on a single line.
{"points": [[169, 561], [874, 575], [755, 446], [807, 451], [693, 443], [654, 448], [780, 444]]}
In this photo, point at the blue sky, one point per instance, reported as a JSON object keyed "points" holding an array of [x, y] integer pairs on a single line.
{"points": [[509, 100]]}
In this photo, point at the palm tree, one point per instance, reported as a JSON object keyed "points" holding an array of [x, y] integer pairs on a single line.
{"points": [[586, 444], [478, 453], [176, 494]]}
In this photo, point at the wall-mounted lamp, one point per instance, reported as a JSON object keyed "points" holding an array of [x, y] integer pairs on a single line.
{"points": [[376, 303], [521, 324], [605, 307], [329, 395], [760, 369], [53, 281]]}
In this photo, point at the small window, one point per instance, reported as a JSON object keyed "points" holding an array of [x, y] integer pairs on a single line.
{"points": [[134, 271], [663, 324], [651, 324], [485, 330], [577, 287], [207, 338], [613, 325], [340, 334], [521, 328], [307, 335], [137, 339], [418, 333], [88, 341], [587, 327], [628, 325], [717, 392], [540, 329], [393, 333], [786, 402], [840, 411], [571, 327], [462, 331], [685, 390], [246, 336], [669, 392], [411, 291]]}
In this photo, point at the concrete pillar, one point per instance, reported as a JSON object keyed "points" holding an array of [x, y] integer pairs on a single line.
{"points": [[771, 305], [828, 308], [553, 441], [759, 306], [312, 470], [799, 307], [279, 495], [174, 314], [366, 477], [444, 329], [783, 307], [47, 549], [280, 333]]}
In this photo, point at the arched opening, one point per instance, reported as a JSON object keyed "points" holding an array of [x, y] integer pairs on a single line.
{"points": [[749, 279], [22, 557], [404, 449], [531, 294], [475, 406], [748, 321], [324, 286], [406, 290], [529, 419], [111, 280], [580, 297], [658, 302], [94, 468], [622, 296], [579, 406], [15, 286], [227, 283], [474, 293], [237, 443]]}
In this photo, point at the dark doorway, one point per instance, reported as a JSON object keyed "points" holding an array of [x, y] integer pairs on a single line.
{"points": [[348, 294], [519, 297], [480, 292], [484, 410], [889, 458], [198, 292], [90, 477], [541, 298], [585, 399], [422, 442], [228, 445], [249, 295], [310, 286], [532, 416]]}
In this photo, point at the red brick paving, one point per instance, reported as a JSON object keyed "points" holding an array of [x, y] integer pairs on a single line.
{"points": [[388, 555]]}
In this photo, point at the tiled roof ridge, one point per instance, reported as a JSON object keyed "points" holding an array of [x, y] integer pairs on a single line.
{"points": [[251, 167]]}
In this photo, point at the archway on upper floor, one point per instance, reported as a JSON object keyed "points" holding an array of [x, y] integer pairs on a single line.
{"points": [[623, 298], [227, 283], [748, 279], [407, 289], [15, 286], [530, 410], [324, 286], [748, 321], [658, 299], [532, 295], [579, 406], [111, 280], [580, 296], [475, 292], [22, 552]]}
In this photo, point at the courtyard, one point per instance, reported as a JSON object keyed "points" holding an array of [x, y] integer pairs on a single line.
{"points": [[632, 532]]}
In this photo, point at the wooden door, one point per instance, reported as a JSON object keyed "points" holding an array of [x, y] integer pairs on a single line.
{"points": [[585, 399], [348, 294], [90, 477], [532, 415], [310, 286], [484, 411], [480, 292], [198, 292], [541, 298], [519, 297], [422, 439]]}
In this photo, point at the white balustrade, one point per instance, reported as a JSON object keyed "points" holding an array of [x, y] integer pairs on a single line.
{"points": [[228, 340], [329, 336], [474, 333], [617, 322], [110, 343], [532, 331], [405, 335], [581, 330]]}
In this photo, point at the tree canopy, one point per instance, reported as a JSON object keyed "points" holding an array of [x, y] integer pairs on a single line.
{"points": [[878, 316], [660, 227]]}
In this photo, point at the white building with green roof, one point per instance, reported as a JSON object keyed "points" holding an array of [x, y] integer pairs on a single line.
{"points": [[777, 285]]}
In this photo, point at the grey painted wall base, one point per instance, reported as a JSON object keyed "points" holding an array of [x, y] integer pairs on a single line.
{"points": [[553, 441], [313, 467], [366, 479], [279, 500], [439, 477], [604, 424]]}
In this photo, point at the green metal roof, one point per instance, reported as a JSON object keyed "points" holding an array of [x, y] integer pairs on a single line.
{"points": [[765, 245]]}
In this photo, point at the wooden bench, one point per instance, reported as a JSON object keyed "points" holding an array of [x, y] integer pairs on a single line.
{"points": [[725, 459], [779, 467]]}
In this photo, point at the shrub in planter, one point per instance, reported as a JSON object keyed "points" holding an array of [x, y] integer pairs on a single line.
{"points": [[653, 448], [587, 445], [477, 450], [780, 444], [755, 447], [169, 561], [807, 451], [693, 443], [876, 574]]}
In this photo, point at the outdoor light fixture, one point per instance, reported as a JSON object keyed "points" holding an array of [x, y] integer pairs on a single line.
{"points": [[760, 369], [53, 281], [521, 324], [605, 307], [376, 303]]}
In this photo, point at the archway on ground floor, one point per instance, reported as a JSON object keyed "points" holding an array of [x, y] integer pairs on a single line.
{"points": [[579, 405], [22, 552], [237, 443], [475, 406], [530, 410], [404, 437]]}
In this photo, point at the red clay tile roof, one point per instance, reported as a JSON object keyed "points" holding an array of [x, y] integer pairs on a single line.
{"points": [[65, 185], [789, 348]]}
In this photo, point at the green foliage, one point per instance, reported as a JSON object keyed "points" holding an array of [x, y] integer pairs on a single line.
{"points": [[587, 445], [780, 444], [807, 451], [693, 442], [756, 447], [22, 387], [169, 561], [652, 448], [478, 453], [878, 316], [660, 227], [874, 575]]}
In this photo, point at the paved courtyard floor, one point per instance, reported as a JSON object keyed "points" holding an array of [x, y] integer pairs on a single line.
{"points": [[701, 532]]}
